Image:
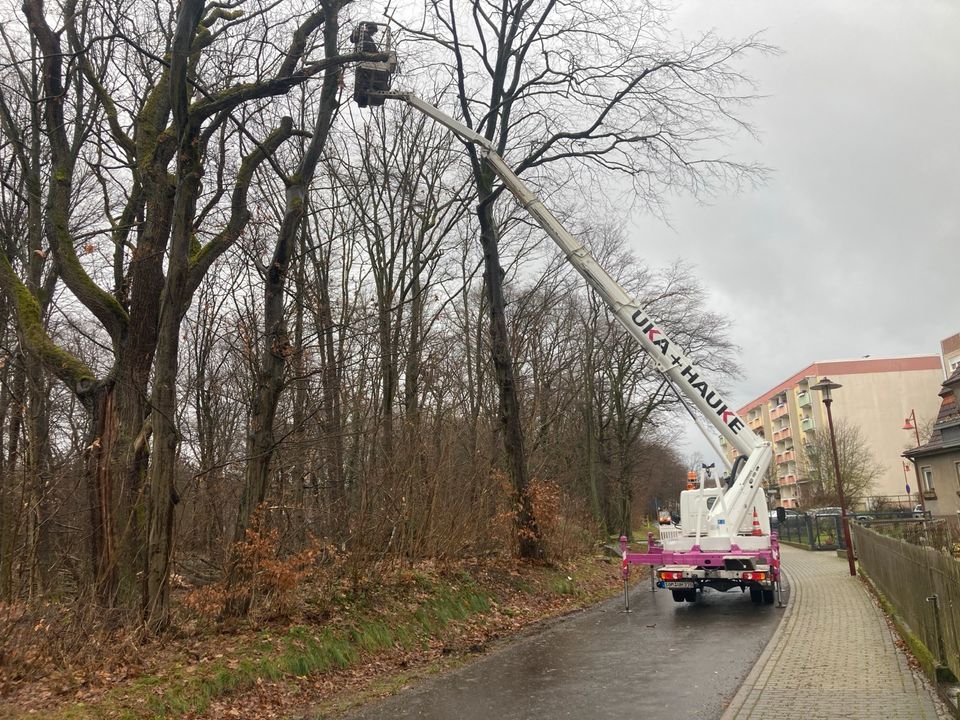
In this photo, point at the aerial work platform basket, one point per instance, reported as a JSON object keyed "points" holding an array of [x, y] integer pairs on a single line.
{"points": [[373, 77]]}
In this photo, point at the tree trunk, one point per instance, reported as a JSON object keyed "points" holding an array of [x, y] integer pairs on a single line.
{"points": [[7, 539], [388, 379], [333, 476], [301, 399], [276, 350], [529, 542], [162, 495], [261, 442], [162, 491], [589, 437]]}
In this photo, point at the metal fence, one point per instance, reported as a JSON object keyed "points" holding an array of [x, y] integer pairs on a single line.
{"points": [[825, 532], [923, 585], [818, 532]]}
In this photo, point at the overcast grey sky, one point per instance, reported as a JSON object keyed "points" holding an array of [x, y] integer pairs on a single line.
{"points": [[853, 246]]}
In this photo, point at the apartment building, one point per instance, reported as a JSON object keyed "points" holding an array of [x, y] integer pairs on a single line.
{"points": [[877, 394]]}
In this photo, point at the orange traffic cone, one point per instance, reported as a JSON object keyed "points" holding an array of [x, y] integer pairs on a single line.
{"points": [[756, 524]]}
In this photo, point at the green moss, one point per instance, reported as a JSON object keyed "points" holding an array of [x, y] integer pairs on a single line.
{"points": [[64, 364], [218, 14], [148, 132], [195, 247], [81, 284], [232, 95], [930, 665]]}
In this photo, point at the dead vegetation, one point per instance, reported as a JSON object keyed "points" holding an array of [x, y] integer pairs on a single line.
{"points": [[317, 635]]}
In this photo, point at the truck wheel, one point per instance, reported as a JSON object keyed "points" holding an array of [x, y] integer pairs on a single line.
{"points": [[691, 595], [756, 594], [768, 597], [679, 595]]}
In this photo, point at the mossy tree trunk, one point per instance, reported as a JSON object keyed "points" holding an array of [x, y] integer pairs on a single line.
{"points": [[141, 314]]}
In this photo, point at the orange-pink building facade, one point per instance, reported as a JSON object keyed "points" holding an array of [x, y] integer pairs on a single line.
{"points": [[877, 394]]}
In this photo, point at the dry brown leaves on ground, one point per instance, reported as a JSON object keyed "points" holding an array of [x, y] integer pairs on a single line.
{"points": [[128, 685]]}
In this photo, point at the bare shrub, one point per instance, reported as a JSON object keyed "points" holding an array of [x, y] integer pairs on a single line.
{"points": [[37, 639], [272, 580]]}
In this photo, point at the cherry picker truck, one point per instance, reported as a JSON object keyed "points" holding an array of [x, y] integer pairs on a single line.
{"points": [[723, 539]]}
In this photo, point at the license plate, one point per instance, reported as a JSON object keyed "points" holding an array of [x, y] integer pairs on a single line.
{"points": [[678, 584]]}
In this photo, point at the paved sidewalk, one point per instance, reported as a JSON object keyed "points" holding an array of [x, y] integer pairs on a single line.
{"points": [[833, 656]]}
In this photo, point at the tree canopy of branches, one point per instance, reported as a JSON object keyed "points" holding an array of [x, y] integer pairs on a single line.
{"points": [[198, 100], [595, 88], [233, 304], [858, 466]]}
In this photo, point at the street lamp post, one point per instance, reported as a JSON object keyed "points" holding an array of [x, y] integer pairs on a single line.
{"points": [[910, 423], [826, 386]]}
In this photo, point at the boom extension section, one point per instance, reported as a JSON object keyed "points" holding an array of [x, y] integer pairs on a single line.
{"points": [[721, 526]]}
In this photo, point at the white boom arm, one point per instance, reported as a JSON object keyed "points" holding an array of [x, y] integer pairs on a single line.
{"points": [[671, 359]]}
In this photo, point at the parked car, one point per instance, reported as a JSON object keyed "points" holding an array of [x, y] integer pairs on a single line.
{"points": [[789, 512], [835, 511]]}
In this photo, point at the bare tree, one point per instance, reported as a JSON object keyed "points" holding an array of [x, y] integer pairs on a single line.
{"points": [[202, 107], [858, 466], [395, 182], [598, 89], [22, 217], [277, 347]]}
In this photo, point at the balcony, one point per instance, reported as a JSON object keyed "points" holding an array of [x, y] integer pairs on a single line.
{"points": [[778, 411], [803, 399], [781, 434], [806, 424], [756, 423], [787, 480], [784, 457]]}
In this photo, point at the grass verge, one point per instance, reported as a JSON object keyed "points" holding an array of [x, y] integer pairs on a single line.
{"points": [[373, 642]]}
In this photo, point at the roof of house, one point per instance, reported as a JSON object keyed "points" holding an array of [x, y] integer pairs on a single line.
{"points": [[948, 417], [954, 379]]}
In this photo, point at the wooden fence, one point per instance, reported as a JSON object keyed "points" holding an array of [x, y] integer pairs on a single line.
{"points": [[910, 576]]}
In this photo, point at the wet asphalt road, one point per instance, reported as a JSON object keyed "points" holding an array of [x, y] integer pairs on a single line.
{"points": [[664, 659]]}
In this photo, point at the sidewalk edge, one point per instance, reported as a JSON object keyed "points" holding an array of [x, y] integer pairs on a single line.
{"points": [[749, 682]]}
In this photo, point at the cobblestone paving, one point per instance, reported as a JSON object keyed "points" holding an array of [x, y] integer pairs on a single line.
{"points": [[833, 657]]}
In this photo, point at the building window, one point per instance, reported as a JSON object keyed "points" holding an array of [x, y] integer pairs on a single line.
{"points": [[957, 466], [927, 474]]}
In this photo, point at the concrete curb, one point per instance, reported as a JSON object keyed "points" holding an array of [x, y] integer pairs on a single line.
{"points": [[750, 682]]}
